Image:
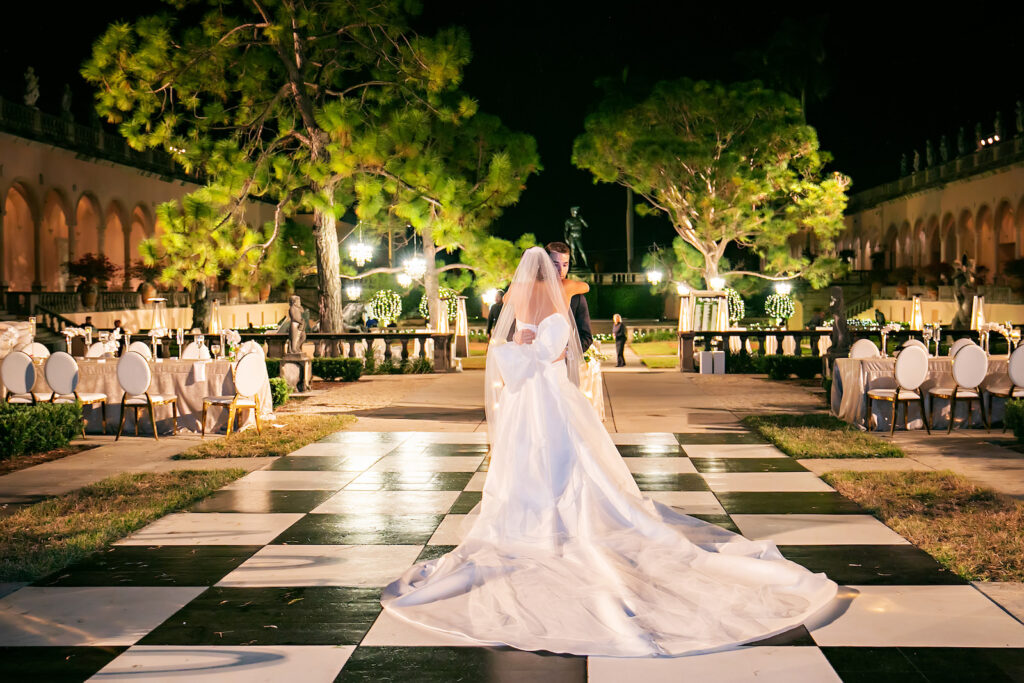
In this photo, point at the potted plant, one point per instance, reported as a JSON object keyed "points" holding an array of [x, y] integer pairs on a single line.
{"points": [[148, 274], [91, 270]]}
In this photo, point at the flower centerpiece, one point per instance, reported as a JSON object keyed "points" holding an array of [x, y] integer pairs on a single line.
{"points": [[385, 307], [449, 297], [780, 307], [593, 354], [736, 306], [886, 330], [232, 340]]}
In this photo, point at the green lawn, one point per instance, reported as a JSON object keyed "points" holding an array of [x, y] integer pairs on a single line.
{"points": [[42, 538], [973, 531], [657, 348], [660, 362], [818, 435], [289, 432]]}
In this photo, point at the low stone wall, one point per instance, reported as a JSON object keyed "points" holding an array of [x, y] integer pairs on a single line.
{"points": [[236, 317]]}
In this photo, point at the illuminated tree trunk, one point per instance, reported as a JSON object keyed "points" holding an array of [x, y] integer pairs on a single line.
{"points": [[328, 268], [430, 281]]}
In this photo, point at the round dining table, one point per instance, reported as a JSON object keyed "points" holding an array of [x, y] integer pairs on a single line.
{"points": [[853, 377], [190, 380]]}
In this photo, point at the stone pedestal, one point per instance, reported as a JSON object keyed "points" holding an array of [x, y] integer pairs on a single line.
{"points": [[443, 352], [297, 371]]}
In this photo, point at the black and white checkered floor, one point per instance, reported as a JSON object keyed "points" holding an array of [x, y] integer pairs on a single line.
{"points": [[277, 577]]}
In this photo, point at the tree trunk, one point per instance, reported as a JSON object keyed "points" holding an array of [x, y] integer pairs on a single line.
{"points": [[201, 308], [710, 269], [328, 269], [430, 281]]}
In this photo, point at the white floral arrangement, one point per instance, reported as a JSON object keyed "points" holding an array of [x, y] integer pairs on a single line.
{"points": [[735, 304], [449, 297], [593, 353], [73, 332], [889, 328], [779, 306], [158, 332], [232, 338]]}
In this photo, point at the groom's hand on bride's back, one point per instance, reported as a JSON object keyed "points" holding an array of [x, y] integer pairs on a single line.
{"points": [[524, 336]]}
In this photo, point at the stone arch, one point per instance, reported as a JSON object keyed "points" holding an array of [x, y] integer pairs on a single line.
{"points": [[54, 243], [985, 228], [931, 252], [917, 244], [114, 244], [890, 245], [966, 242], [905, 249], [88, 225], [948, 234], [1006, 236], [20, 218], [140, 228]]}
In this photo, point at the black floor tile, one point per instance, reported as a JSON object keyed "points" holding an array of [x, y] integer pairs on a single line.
{"points": [[653, 451], [466, 501], [872, 665], [169, 565], [54, 664], [724, 521], [670, 482], [247, 500], [872, 565], [432, 552], [271, 616], [798, 636], [708, 465], [410, 481], [323, 463], [366, 439], [792, 502], [460, 664], [361, 530], [436, 449], [947, 664], [699, 439]]}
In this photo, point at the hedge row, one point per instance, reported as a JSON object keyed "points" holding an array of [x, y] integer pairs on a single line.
{"points": [[27, 429], [776, 367], [345, 369]]}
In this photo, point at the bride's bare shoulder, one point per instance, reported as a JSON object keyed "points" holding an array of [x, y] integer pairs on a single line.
{"points": [[574, 287]]}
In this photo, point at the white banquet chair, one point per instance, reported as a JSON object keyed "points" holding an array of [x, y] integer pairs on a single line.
{"points": [[135, 377], [250, 346], [864, 348], [35, 350], [195, 351], [97, 350], [19, 375], [911, 371], [61, 373], [959, 344], [970, 365], [141, 348], [248, 380], [914, 342], [1015, 371]]}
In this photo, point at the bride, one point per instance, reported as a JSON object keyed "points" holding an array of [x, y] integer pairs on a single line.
{"points": [[564, 553]]}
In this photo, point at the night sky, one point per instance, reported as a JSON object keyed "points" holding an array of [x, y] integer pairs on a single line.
{"points": [[892, 81]]}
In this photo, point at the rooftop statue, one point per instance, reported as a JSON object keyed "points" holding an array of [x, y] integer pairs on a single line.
{"points": [[31, 87], [574, 226]]}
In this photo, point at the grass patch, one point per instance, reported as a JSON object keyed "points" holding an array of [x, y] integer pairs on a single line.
{"points": [[660, 362], [655, 348], [973, 531], [44, 537], [818, 435], [296, 431], [20, 462], [474, 363]]}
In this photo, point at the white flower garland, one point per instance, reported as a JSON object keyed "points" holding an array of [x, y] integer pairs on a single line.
{"points": [[779, 306], [385, 306]]}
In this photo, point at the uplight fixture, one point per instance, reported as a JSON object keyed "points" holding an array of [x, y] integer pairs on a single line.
{"points": [[717, 283]]}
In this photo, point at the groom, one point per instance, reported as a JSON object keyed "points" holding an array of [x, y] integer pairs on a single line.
{"points": [[559, 253]]}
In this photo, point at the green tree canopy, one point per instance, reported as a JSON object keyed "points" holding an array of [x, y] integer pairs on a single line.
{"points": [[727, 164], [278, 99]]}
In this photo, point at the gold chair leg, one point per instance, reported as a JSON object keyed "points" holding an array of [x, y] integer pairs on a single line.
{"points": [[952, 412], [174, 419], [152, 419], [202, 425], [231, 419], [136, 420], [103, 416], [124, 412], [892, 425], [924, 416], [867, 417], [259, 428]]}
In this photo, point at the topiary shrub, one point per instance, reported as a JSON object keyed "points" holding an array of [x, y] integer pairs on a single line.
{"points": [[279, 391], [1014, 417], [26, 429], [330, 369]]}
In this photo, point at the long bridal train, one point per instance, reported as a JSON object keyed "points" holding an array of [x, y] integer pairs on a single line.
{"points": [[566, 555]]}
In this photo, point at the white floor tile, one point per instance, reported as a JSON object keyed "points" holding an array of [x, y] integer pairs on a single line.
{"points": [[660, 465], [688, 502], [817, 529], [642, 439], [917, 616], [388, 502], [449, 532], [1009, 596], [476, 483], [213, 528], [227, 664], [422, 463], [469, 438], [375, 449], [284, 480], [323, 565], [88, 615], [765, 481], [738, 450], [761, 664], [389, 630]]}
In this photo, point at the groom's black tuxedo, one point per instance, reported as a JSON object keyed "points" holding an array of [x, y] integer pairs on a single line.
{"points": [[581, 313]]}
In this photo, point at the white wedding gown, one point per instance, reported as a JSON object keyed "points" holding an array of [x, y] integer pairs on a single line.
{"points": [[566, 554]]}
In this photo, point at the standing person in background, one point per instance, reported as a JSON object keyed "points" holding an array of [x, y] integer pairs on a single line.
{"points": [[619, 334], [493, 313]]}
